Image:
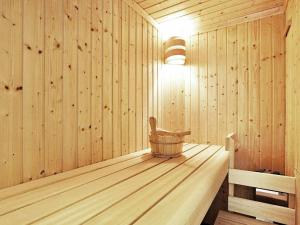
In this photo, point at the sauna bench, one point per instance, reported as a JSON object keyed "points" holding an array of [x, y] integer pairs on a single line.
{"points": [[132, 189]]}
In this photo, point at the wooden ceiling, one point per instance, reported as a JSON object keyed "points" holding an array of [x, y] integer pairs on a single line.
{"points": [[209, 14]]}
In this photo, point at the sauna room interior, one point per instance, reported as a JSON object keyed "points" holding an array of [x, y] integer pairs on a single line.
{"points": [[150, 112]]}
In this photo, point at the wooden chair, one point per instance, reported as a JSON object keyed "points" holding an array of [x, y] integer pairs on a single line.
{"points": [[251, 208]]}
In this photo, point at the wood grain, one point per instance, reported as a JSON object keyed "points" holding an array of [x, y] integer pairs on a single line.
{"points": [[210, 14], [70, 71], [292, 154], [232, 86]]}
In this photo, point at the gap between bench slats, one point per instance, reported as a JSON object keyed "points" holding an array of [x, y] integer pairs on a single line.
{"points": [[57, 202], [82, 210], [21, 188], [134, 206], [190, 201]]}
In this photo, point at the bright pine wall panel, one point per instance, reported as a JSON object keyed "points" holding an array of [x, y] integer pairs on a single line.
{"points": [[293, 84], [78, 81], [293, 97], [233, 81]]}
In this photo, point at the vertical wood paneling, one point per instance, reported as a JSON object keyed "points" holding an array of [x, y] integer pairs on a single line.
{"points": [[290, 148], [107, 79], [4, 97], [232, 79], [222, 91], [139, 83], [236, 91], [292, 91], [53, 86], [292, 96], [278, 92], [33, 93], [97, 78], [90, 74], [179, 100], [145, 83], [187, 91], [160, 56], [11, 92], [155, 71], [73, 84], [195, 121], [212, 89], [150, 71], [166, 101], [117, 151], [203, 87], [254, 93], [70, 85], [124, 101], [15, 104], [84, 83], [132, 80], [243, 152], [266, 94], [242, 51]]}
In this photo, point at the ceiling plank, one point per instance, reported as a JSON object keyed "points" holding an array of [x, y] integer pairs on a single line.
{"points": [[240, 20], [168, 7], [206, 14], [149, 3], [223, 15], [205, 8], [226, 6], [231, 20]]}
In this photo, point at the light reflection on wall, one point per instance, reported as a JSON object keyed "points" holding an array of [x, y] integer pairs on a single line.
{"points": [[174, 84], [173, 80]]}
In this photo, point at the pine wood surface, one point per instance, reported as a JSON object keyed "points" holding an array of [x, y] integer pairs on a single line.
{"points": [[131, 189]]}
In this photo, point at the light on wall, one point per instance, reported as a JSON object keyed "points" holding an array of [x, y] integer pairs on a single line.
{"points": [[175, 51]]}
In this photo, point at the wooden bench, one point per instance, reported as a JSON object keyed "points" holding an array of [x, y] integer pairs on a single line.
{"points": [[136, 188], [265, 211]]}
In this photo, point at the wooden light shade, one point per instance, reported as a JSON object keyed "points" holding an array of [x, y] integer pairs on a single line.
{"points": [[175, 51]]}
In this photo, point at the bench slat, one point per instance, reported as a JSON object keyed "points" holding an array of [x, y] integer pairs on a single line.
{"points": [[263, 180], [190, 201], [262, 210], [89, 207], [30, 197], [50, 205], [136, 205], [35, 195], [21, 188]]}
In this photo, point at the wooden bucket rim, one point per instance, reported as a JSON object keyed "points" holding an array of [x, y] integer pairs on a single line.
{"points": [[167, 143]]}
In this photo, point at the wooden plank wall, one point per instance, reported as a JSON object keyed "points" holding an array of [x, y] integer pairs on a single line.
{"points": [[234, 81], [77, 84], [293, 97]]}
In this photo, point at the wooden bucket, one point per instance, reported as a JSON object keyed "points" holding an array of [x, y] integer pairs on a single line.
{"points": [[167, 146], [165, 143]]}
